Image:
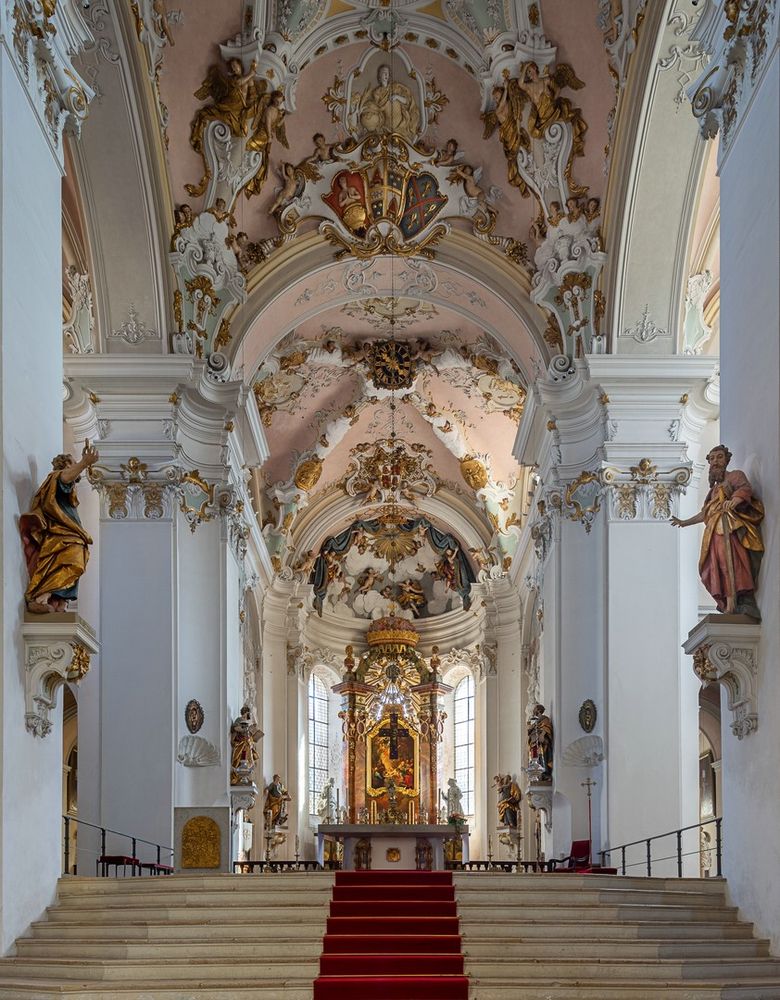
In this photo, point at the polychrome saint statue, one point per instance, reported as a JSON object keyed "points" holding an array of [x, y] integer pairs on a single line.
{"points": [[56, 546], [731, 546]]}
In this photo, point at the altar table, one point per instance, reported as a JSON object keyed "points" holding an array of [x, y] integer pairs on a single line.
{"points": [[387, 836]]}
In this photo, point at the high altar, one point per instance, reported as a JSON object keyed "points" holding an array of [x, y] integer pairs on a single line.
{"points": [[392, 723]]}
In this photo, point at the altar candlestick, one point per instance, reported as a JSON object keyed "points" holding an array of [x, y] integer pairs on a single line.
{"points": [[338, 806]]}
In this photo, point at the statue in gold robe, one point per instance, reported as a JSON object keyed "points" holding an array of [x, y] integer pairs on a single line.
{"points": [[56, 547], [276, 799]]}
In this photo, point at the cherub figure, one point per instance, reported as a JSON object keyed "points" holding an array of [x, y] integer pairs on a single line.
{"points": [[411, 596], [449, 155], [293, 181], [556, 213], [162, 24], [221, 212], [323, 150], [469, 177], [367, 579]]}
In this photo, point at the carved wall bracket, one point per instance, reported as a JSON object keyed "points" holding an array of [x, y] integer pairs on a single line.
{"points": [[57, 649], [540, 799], [725, 651]]}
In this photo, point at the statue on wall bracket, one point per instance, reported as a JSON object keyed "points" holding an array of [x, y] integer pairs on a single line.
{"points": [[56, 546], [731, 546]]}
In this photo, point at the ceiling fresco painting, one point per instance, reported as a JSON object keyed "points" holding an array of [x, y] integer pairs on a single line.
{"points": [[386, 220], [391, 565]]}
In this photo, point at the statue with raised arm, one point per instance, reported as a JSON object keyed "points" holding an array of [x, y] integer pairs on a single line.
{"points": [[731, 546], [509, 798], [56, 547]]}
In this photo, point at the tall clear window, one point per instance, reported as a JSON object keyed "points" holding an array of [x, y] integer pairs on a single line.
{"points": [[464, 741], [318, 739]]}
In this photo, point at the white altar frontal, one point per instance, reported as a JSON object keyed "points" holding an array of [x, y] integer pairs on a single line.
{"points": [[388, 846]]}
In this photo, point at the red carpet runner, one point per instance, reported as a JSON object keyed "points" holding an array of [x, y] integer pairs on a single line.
{"points": [[392, 935]]}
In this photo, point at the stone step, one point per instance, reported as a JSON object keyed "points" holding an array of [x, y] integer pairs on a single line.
{"points": [[720, 970], [83, 884], [605, 931], [271, 896], [304, 911], [514, 910], [291, 989], [615, 990], [614, 897], [184, 974], [554, 883], [301, 949], [483, 950], [238, 929]]}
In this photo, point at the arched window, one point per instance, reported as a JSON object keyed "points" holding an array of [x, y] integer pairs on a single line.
{"points": [[318, 739], [464, 741]]}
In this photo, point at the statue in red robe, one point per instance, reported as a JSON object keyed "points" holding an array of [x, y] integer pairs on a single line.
{"points": [[731, 547]]}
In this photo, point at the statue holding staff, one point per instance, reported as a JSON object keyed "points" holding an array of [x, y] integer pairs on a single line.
{"points": [[731, 547]]}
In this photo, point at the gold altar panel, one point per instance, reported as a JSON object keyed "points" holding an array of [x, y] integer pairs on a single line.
{"points": [[200, 843]]}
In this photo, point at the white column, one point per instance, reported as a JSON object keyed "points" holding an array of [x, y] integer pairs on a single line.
{"points": [[31, 432], [173, 548], [740, 101], [617, 580]]}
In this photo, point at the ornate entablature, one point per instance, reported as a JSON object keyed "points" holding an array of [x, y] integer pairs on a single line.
{"points": [[46, 36], [738, 36]]}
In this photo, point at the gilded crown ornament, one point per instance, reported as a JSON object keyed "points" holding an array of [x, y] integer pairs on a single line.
{"points": [[392, 631]]}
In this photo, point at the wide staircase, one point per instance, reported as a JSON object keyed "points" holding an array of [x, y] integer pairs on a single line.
{"points": [[601, 937], [180, 937], [390, 936]]}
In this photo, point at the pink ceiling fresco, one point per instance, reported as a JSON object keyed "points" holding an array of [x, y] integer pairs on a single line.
{"points": [[570, 26]]}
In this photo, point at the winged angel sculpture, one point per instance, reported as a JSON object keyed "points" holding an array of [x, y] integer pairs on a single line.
{"points": [[526, 107], [245, 106]]}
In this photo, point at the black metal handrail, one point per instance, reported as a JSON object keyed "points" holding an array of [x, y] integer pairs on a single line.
{"points": [[104, 831], [248, 867], [679, 854]]}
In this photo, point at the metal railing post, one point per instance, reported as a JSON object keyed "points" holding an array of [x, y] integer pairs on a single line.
{"points": [[719, 847], [104, 866], [67, 845], [623, 860], [679, 854], [132, 854], [649, 858]]}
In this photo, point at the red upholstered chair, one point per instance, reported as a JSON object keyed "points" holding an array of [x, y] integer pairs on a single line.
{"points": [[578, 861]]}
